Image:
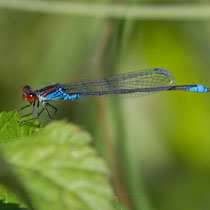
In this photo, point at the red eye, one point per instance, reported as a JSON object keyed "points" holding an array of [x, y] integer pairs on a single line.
{"points": [[31, 97]]}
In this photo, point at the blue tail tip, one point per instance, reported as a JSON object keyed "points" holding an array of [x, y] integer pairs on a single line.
{"points": [[198, 88]]}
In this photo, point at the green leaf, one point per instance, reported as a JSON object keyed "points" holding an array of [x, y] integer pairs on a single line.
{"points": [[118, 206], [9, 179], [9, 128], [5, 195], [60, 170], [10, 206]]}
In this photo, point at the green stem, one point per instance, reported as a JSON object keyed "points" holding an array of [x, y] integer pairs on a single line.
{"points": [[132, 176], [173, 12]]}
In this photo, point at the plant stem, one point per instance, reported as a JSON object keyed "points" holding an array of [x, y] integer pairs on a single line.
{"points": [[172, 12]]}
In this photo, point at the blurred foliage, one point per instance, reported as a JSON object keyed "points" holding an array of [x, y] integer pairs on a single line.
{"points": [[56, 167], [158, 146]]}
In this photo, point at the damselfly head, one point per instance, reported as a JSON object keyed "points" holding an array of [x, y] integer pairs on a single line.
{"points": [[28, 94]]}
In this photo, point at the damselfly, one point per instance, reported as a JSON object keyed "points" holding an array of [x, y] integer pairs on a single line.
{"points": [[139, 83]]}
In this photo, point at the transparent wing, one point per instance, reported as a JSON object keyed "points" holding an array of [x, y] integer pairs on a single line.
{"points": [[137, 83]]}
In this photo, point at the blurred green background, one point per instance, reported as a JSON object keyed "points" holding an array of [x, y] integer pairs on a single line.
{"points": [[158, 147]]}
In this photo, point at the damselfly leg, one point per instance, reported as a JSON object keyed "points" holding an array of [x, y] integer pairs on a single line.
{"points": [[48, 113], [33, 108], [38, 113], [55, 109]]}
